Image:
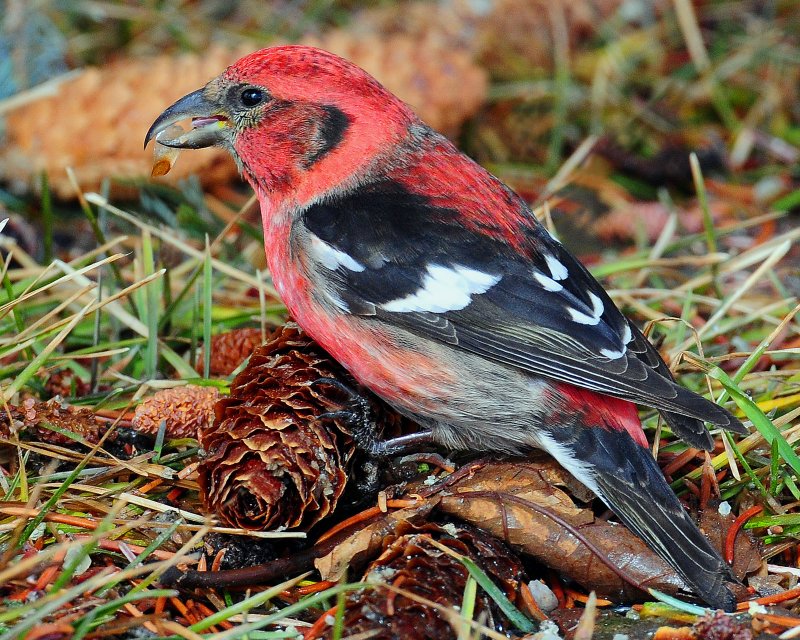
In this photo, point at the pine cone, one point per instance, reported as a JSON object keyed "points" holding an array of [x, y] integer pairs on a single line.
{"points": [[66, 383], [441, 83], [79, 126], [271, 461], [229, 350], [42, 421], [508, 38], [95, 123], [413, 564], [186, 410], [517, 36]]}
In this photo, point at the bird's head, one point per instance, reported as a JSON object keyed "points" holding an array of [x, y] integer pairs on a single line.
{"points": [[298, 120]]}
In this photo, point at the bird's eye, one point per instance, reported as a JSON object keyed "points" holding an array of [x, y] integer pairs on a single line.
{"points": [[252, 96]]}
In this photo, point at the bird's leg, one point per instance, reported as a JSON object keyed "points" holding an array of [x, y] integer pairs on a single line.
{"points": [[357, 413], [359, 417]]}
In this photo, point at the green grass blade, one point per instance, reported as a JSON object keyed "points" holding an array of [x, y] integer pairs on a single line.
{"points": [[207, 310], [151, 306], [28, 373], [760, 421], [493, 591]]}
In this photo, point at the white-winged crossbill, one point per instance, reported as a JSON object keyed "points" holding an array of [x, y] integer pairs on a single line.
{"points": [[434, 284]]}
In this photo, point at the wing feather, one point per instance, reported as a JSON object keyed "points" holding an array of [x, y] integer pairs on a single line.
{"points": [[409, 263]]}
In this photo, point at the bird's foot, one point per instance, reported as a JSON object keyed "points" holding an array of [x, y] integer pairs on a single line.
{"points": [[359, 418], [356, 414]]}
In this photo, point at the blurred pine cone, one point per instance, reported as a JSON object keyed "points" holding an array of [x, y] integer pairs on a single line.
{"points": [[440, 82], [229, 350], [95, 123], [66, 383], [509, 39], [516, 37], [411, 562], [271, 461], [184, 410]]}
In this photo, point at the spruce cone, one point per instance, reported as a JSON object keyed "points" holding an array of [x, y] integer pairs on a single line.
{"points": [[42, 421], [517, 36], [95, 123], [66, 383], [271, 461], [412, 563], [440, 82], [79, 126], [185, 410], [510, 39], [229, 350]]}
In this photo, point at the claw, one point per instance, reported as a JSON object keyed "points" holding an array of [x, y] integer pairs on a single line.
{"points": [[364, 431], [337, 384]]}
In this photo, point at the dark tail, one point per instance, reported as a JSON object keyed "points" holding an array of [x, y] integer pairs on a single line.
{"points": [[626, 477], [691, 430]]}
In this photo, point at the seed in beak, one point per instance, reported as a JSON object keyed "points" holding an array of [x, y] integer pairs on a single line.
{"points": [[164, 157]]}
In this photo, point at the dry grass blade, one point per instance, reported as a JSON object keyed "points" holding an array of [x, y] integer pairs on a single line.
{"points": [[169, 238], [30, 370]]}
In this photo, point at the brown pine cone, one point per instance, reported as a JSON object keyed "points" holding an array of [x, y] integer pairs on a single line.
{"points": [[229, 350], [50, 422], [95, 121], [441, 83], [66, 383], [272, 462], [185, 410], [412, 563], [78, 126], [516, 37]]}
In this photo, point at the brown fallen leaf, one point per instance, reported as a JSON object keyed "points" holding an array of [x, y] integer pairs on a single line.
{"points": [[746, 554], [519, 503], [368, 540]]}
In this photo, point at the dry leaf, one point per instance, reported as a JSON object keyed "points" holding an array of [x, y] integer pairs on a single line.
{"points": [[368, 540], [518, 503], [747, 556]]}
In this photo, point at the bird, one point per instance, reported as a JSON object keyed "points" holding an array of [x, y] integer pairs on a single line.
{"points": [[434, 284]]}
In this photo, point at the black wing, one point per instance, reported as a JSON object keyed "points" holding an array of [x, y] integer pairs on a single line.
{"points": [[413, 264]]}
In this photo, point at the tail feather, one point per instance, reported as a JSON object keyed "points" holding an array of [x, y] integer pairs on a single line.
{"points": [[626, 477], [690, 429]]}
